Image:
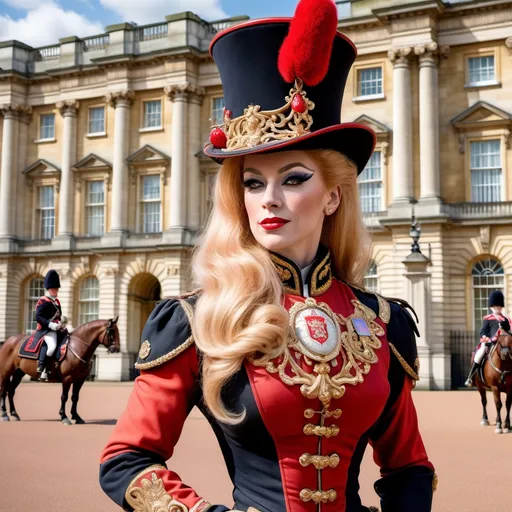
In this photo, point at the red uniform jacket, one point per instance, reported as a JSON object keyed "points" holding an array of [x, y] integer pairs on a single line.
{"points": [[344, 381]]}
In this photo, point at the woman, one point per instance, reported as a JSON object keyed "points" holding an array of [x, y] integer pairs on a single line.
{"points": [[488, 332], [291, 363], [49, 320]]}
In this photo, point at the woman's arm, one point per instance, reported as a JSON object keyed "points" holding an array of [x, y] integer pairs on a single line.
{"points": [[133, 468]]}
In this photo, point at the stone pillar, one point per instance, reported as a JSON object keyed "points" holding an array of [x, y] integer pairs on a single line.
{"points": [[22, 208], [429, 122], [68, 110], [122, 102], [402, 126], [11, 115], [178, 94], [195, 145]]}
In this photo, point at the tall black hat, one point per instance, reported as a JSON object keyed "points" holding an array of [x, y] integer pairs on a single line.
{"points": [[283, 81], [51, 280], [496, 299]]}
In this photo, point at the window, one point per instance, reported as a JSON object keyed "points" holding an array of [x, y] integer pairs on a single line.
{"points": [[370, 82], [95, 208], [97, 120], [370, 184], [46, 212], [218, 110], [89, 300], [371, 278], [486, 182], [47, 126], [35, 290], [487, 275], [150, 205], [153, 114], [481, 70]]}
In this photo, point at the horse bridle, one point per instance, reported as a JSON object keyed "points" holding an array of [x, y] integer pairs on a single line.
{"points": [[502, 373], [109, 334]]}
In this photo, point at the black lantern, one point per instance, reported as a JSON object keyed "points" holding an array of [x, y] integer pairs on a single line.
{"points": [[415, 234]]}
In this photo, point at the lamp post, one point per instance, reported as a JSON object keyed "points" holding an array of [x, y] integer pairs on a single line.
{"points": [[415, 234]]}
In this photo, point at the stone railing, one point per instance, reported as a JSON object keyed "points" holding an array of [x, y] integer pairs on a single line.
{"points": [[151, 32], [47, 53], [478, 211], [95, 42]]}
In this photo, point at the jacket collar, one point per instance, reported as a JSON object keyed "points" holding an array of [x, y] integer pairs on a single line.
{"points": [[319, 277]]}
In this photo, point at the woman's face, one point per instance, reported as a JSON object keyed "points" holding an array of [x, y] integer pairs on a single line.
{"points": [[286, 201]]}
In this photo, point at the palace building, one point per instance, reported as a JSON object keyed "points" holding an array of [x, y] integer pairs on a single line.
{"points": [[103, 177]]}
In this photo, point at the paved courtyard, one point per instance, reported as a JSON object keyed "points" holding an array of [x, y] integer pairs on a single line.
{"points": [[48, 467]]}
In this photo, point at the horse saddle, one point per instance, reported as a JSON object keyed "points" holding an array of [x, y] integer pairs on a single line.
{"points": [[31, 345]]}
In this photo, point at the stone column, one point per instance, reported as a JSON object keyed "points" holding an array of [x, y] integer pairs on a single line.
{"points": [[122, 102], [22, 208], [178, 94], [429, 122], [194, 146], [68, 109], [402, 126], [11, 115]]}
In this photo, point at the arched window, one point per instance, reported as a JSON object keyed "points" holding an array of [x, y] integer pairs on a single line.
{"points": [[88, 300], [35, 290], [487, 275], [371, 278]]}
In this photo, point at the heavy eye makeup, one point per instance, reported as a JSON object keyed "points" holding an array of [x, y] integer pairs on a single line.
{"points": [[294, 178]]}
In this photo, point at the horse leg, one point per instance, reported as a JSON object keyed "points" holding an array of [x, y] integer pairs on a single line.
{"points": [[77, 386], [15, 381], [497, 402], [66, 384], [508, 404], [4, 386], [483, 397]]}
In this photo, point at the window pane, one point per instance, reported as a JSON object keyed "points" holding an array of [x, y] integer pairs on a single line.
{"points": [[218, 110], [481, 69], [89, 300], [371, 280], [151, 205], [97, 120], [487, 275], [151, 187], [46, 212], [370, 184], [47, 126], [486, 173], [95, 208], [152, 114], [34, 292], [370, 81]]}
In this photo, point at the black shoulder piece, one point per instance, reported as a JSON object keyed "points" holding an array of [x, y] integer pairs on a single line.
{"points": [[402, 341], [374, 301], [167, 332]]}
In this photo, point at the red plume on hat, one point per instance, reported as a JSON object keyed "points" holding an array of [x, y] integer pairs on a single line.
{"points": [[306, 51]]}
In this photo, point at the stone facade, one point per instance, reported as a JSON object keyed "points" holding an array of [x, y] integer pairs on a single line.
{"points": [[137, 103]]}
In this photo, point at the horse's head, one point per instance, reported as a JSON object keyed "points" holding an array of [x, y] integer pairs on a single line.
{"points": [[504, 341], [110, 338]]}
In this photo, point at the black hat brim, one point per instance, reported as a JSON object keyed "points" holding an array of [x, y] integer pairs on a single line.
{"points": [[355, 141]]}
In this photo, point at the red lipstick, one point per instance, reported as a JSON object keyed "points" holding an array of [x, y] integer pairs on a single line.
{"points": [[272, 223]]}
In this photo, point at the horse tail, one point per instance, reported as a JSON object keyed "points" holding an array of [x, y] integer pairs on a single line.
{"points": [[8, 352]]}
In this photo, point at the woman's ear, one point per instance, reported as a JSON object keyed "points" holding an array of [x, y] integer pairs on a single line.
{"points": [[334, 200]]}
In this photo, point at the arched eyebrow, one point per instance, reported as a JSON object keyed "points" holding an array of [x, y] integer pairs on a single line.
{"points": [[285, 168]]}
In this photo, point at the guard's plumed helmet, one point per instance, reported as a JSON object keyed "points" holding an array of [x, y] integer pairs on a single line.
{"points": [[496, 299], [51, 280]]}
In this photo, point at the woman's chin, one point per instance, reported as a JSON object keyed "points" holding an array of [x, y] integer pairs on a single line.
{"points": [[274, 242]]}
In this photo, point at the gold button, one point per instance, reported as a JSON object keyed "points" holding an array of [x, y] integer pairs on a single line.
{"points": [[307, 495], [321, 431], [320, 461]]}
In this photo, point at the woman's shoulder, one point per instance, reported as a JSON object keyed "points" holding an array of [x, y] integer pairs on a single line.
{"points": [[168, 331]]}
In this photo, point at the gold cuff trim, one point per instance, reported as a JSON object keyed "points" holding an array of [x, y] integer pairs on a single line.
{"points": [[152, 496], [404, 363], [166, 357]]}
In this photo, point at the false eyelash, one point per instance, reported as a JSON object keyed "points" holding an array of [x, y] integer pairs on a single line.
{"points": [[302, 177], [249, 182]]}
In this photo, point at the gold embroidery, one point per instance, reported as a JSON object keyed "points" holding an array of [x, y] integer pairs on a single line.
{"points": [[435, 482], [152, 496], [321, 271], [145, 350], [166, 357], [321, 431], [384, 309], [404, 363], [287, 272], [256, 126], [320, 461], [317, 497]]}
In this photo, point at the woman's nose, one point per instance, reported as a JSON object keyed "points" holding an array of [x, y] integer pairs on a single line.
{"points": [[272, 197]]}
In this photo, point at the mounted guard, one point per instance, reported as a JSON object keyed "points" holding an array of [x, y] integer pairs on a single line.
{"points": [[489, 332], [51, 324]]}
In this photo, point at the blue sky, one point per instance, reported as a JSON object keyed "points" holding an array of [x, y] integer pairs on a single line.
{"points": [[42, 22]]}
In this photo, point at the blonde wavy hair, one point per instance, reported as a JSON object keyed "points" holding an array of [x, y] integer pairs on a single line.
{"points": [[239, 314]]}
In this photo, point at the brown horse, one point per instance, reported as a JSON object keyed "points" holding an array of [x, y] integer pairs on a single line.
{"points": [[497, 372], [73, 369]]}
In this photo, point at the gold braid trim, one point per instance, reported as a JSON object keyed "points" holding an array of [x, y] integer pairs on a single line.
{"points": [[384, 307], [404, 363], [435, 482]]}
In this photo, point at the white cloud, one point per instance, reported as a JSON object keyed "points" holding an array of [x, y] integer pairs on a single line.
{"points": [[153, 11], [45, 24]]}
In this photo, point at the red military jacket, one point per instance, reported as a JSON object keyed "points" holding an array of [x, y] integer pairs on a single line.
{"points": [[342, 382]]}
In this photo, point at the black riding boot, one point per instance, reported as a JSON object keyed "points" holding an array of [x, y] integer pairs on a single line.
{"points": [[472, 371], [41, 359]]}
